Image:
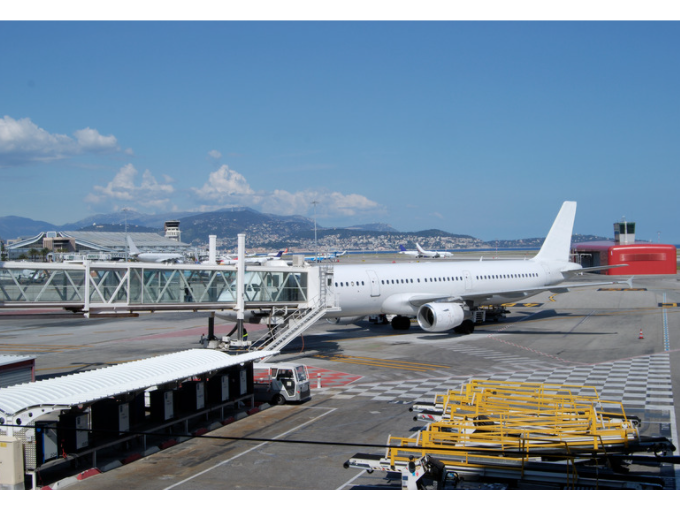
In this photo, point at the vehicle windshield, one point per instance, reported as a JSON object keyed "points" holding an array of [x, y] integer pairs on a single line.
{"points": [[301, 373]]}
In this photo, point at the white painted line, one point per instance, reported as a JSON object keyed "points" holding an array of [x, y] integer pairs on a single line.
{"points": [[248, 451]]}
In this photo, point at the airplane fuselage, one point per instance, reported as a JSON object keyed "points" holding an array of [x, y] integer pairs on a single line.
{"points": [[370, 289]]}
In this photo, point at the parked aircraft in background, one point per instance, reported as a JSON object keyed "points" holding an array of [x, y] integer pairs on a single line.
{"points": [[325, 256], [433, 254], [149, 256], [253, 260], [276, 253], [408, 253]]}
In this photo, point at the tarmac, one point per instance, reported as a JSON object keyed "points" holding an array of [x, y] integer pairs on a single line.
{"points": [[623, 341]]}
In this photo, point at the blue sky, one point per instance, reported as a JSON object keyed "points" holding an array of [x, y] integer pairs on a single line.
{"points": [[479, 128]]}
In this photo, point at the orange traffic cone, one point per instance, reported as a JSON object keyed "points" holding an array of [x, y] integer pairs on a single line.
{"points": [[641, 337]]}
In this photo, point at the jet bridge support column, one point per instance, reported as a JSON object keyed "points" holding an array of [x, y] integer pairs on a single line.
{"points": [[240, 284], [211, 326]]}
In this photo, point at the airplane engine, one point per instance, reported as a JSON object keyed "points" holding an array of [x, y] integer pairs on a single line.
{"points": [[438, 317]]}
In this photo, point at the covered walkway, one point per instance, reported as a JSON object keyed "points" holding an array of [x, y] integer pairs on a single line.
{"points": [[74, 416]]}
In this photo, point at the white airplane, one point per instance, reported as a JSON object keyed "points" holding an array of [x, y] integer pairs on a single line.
{"points": [[276, 254], [408, 253], [254, 260], [433, 254], [149, 256], [326, 256], [443, 295]]}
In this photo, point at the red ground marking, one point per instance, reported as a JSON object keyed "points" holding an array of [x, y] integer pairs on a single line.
{"points": [[330, 377]]}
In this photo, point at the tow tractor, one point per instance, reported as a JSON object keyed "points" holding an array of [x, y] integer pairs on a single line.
{"points": [[279, 383]]}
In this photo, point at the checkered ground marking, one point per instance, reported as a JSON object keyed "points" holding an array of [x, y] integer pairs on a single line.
{"points": [[643, 381]]}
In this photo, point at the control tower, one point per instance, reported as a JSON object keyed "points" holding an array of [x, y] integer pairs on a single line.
{"points": [[624, 232], [172, 230]]}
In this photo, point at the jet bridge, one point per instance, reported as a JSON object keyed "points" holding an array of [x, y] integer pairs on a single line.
{"points": [[128, 288], [96, 288]]}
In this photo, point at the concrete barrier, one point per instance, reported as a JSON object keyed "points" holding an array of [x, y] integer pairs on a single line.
{"points": [[66, 482], [111, 465]]}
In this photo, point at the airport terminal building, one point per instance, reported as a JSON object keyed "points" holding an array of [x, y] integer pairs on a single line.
{"points": [[92, 245], [640, 258]]}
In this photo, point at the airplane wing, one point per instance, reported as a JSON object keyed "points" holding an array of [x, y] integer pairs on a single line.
{"points": [[170, 258], [515, 294], [399, 303], [590, 269]]}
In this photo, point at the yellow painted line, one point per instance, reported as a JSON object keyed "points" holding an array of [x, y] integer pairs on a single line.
{"points": [[622, 290], [552, 298], [392, 361]]}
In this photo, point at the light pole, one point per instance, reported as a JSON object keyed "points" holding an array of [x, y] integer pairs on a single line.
{"points": [[316, 247]]}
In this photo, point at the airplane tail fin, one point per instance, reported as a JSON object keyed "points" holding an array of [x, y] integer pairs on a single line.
{"points": [[558, 243], [401, 247], [131, 246]]}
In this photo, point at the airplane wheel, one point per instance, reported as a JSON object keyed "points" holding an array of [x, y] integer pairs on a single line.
{"points": [[466, 328], [401, 323]]}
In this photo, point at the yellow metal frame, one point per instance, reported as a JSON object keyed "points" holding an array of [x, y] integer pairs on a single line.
{"points": [[518, 421]]}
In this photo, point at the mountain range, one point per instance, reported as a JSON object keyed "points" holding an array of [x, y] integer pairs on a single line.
{"points": [[195, 227], [263, 229]]}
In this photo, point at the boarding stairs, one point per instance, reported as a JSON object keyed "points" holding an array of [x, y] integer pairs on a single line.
{"points": [[299, 320]]}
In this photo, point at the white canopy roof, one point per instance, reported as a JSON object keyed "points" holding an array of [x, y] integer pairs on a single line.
{"points": [[86, 387]]}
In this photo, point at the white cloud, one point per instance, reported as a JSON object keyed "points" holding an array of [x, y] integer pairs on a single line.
{"points": [[222, 184], [226, 187], [91, 141], [215, 154], [149, 194], [22, 142]]}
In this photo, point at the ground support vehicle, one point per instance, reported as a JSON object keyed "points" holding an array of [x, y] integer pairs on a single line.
{"points": [[522, 435], [279, 383]]}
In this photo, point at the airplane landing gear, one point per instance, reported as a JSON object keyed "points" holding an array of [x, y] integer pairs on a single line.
{"points": [[401, 323], [466, 328]]}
